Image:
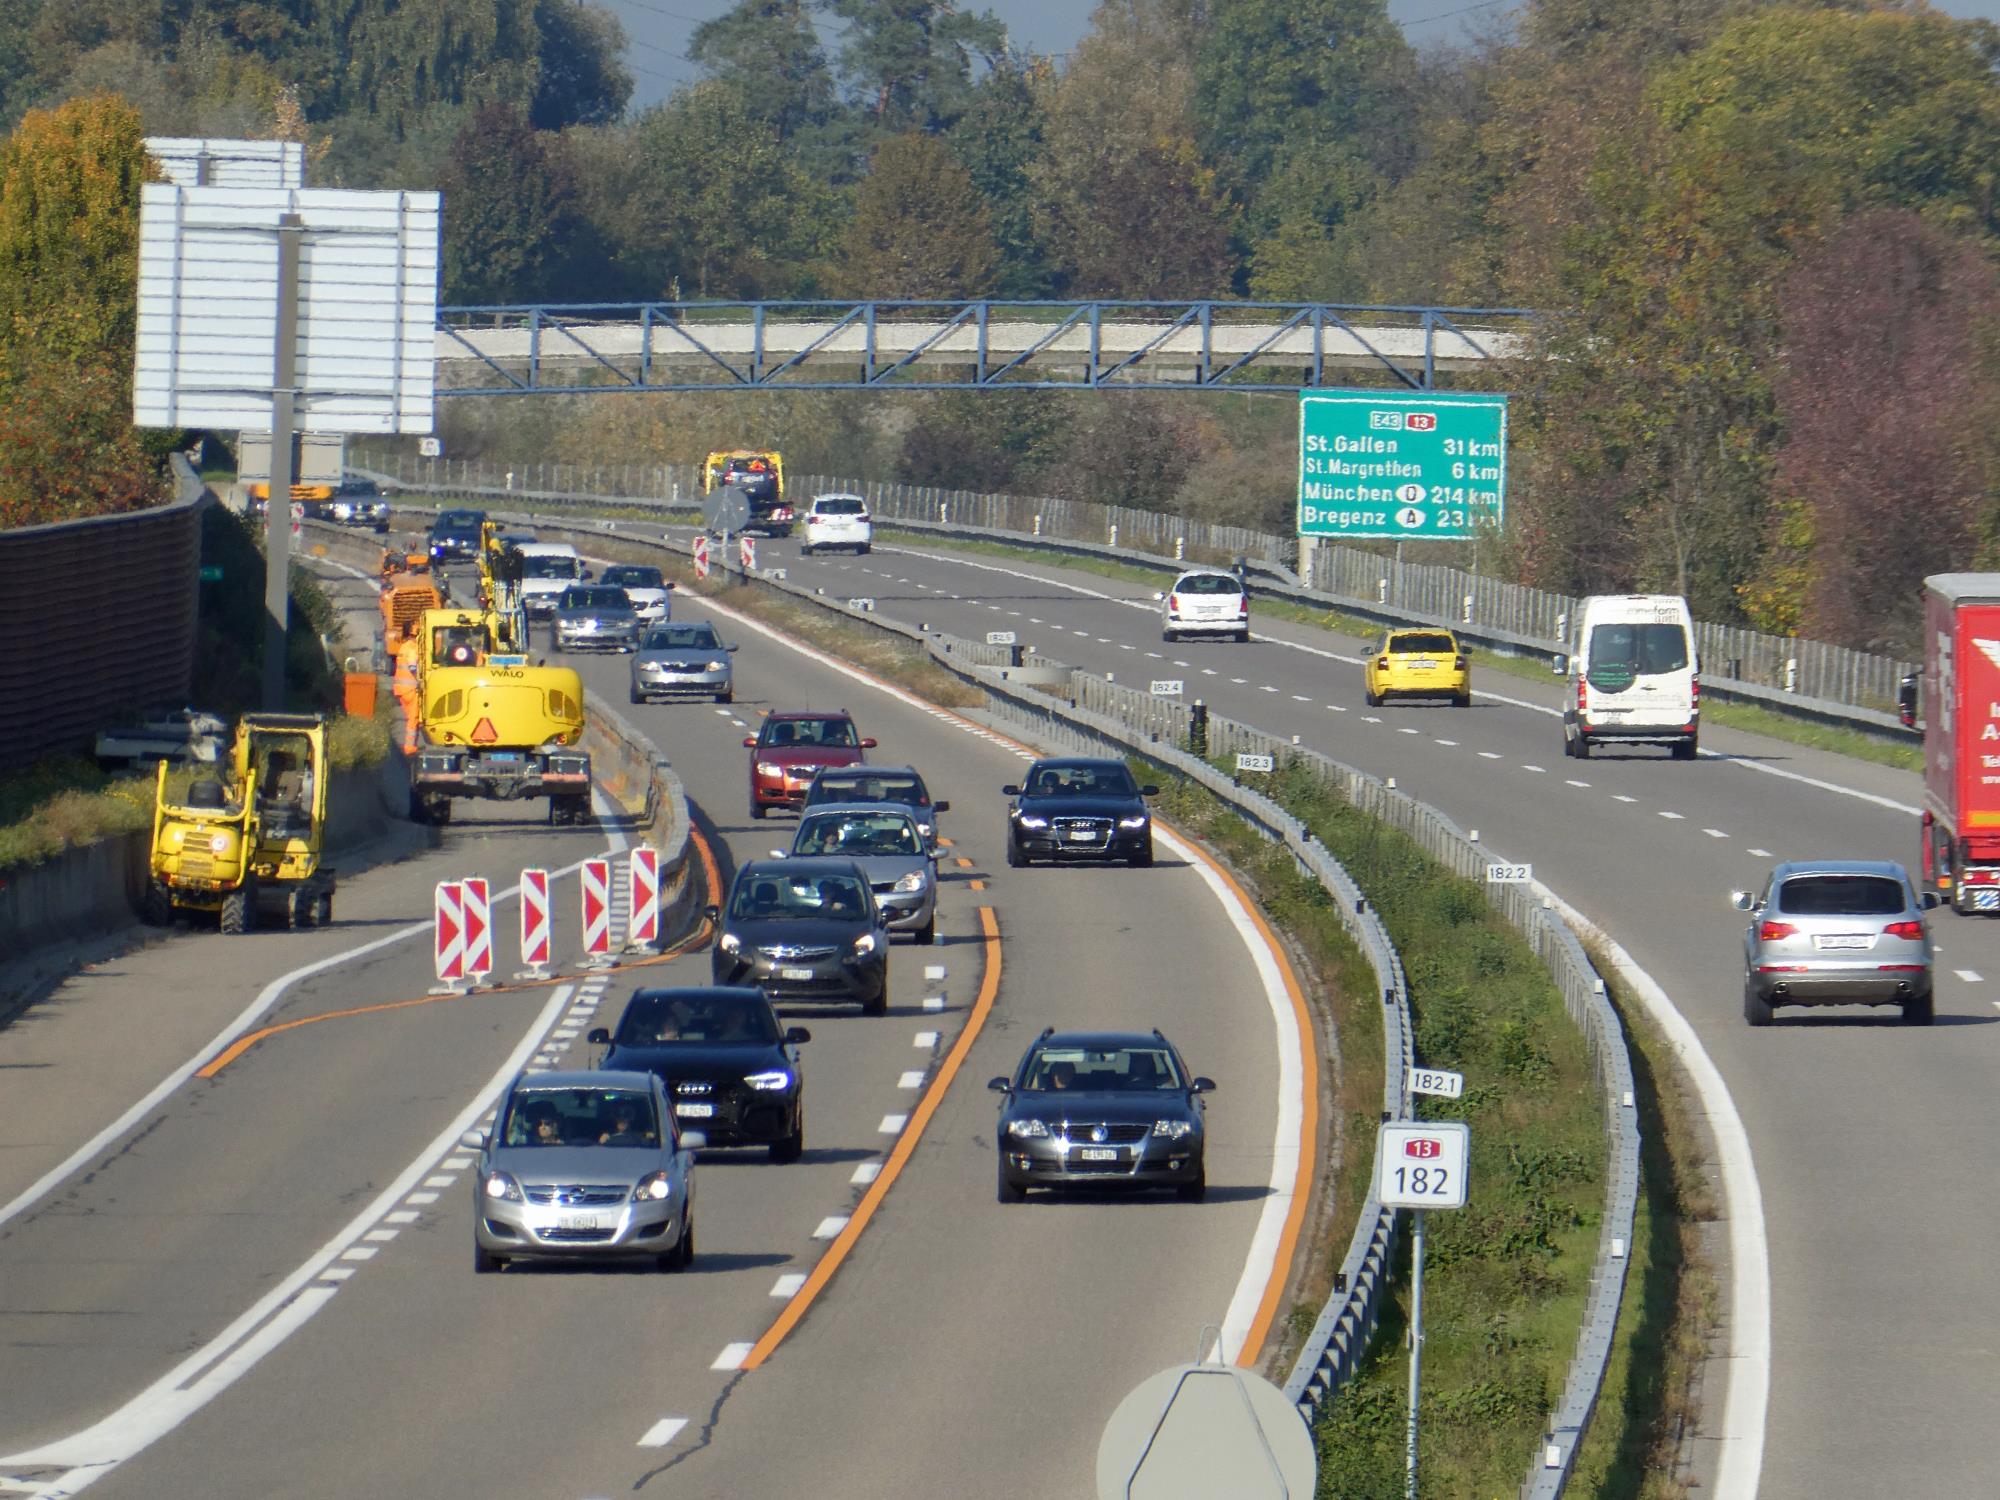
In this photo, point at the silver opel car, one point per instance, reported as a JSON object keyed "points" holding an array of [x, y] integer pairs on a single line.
{"points": [[682, 660], [596, 617], [888, 843], [1837, 932], [585, 1166]]}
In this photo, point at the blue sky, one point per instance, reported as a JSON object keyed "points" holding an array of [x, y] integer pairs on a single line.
{"points": [[659, 29]]}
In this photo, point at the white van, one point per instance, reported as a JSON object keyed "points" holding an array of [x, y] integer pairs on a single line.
{"points": [[547, 568], [1205, 601], [1633, 674]]}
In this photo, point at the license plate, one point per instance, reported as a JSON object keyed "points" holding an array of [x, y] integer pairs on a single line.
{"points": [[1097, 1153], [795, 973], [695, 1111], [1082, 836], [1843, 940], [578, 1221], [1423, 666], [508, 755]]}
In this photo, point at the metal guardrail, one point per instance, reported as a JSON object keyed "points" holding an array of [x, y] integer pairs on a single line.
{"points": [[1108, 713]]}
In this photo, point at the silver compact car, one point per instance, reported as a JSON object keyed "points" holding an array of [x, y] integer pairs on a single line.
{"points": [[1837, 932], [596, 617], [683, 661], [585, 1166], [889, 844]]}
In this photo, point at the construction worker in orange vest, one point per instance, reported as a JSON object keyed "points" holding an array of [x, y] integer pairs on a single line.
{"points": [[405, 688]]}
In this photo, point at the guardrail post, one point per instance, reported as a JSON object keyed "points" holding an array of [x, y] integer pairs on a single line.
{"points": [[1114, 533], [1198, 729], [1791, 674]]}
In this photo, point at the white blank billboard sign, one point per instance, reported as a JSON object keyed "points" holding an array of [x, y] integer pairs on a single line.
{"points": [[197, 161], [208, 308]]}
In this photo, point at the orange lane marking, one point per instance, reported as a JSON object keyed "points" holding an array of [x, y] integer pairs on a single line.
{"points": [[945, 842], [1302, 1180], [696, 939], [979, 885], [905, 1147], [963, 863]]}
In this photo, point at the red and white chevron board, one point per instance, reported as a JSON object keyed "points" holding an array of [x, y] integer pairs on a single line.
{"points": [[701, 557], [597, 906], [476, 909], [535, 917], [746, 547], [449, 931], [644, 876]]}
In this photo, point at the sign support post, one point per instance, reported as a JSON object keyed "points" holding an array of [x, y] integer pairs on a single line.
{"points": [[1416, 1348], [278, 504]]}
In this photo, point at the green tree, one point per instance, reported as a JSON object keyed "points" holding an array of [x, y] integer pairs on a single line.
{"points": [[67, 444], [997, 139], [69, 230], [583, 80], [910, 64], [768, 51], [920, 228], [512, 223]]}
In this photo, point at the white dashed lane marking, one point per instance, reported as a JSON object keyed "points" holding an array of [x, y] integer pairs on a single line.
{"points": [[663, 1432], [1453, 744], [1539, 770], [1300, 698], [926, 1039], [732, 1356], [830, 1226], [866, 1173], [1488, 755], [892, 1124], [788, 1284], [913, 1079], [1715, 833], [1574, 782], [1621, 797], [1676, 817], [1404, 729], [1970, 976], [1761, 853]]}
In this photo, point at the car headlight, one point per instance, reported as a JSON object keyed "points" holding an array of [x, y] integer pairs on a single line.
{"points": [[653, 1187], [1023, 1130], [218, 843], [777, 1078], [865, 943], [1173, 1130], [1138, 822], [501, 1185], [730, 943], [1028, 821], [924, 829], [914, 881], [769, 768]]}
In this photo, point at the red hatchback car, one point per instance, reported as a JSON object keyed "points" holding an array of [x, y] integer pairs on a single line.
{"points": [[791, 748]]}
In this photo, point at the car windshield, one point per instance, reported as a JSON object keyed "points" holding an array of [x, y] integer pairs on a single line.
{"points": [[682, 638], [847, 787], [1112, 1069], [858, 834], [456, 522], [595, 599], [459, 645], [1422, 643], [1208, 583], [361, 489], [696, 1016], [1107, 780], [839, 506], [631, 577], [1841, 896], [810, 732], [547, 566], [772, 897], [1640, 648], [580, 1117]]}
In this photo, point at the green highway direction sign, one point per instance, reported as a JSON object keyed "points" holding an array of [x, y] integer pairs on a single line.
{"points": [[1402, 465]]}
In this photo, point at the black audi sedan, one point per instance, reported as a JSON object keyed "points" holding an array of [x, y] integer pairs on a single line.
{"points": [[1104, 1108], [804, 929], [730, 1069], [1079, 809]]}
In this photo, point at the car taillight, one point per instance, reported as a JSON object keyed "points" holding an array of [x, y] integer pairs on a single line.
{"points": [[1911, 930], [1382, 665], [1173, 604], [1694, 691], [1770, 931], [1582, 688], [1458, 664], [862, 518], [1243, 605]]}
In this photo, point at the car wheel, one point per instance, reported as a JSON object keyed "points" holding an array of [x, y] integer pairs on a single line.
{"points": [[682, 1255], [239, 909], [299, 907], [793, 1146], [1686, 749], [728, 697], [159, 906], [484, 1262], [1756, 1010], [879, 1005], [1008, 1191], [1193, 1192], [1582, 748], [756, 811], [1144, 858], [323, 910], [1371, 698], [1243, 637], [1920, 1010], [1462, 700], [637, 696], [863, 550], [926, 935], [1169, 636], [1015, 857]]}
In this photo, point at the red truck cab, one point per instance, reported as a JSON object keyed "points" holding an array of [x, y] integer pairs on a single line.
{"points": [[791, 748], [1961, 700]]}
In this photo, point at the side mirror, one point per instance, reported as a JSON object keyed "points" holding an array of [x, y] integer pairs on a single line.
{"points": [[1202, 1086], [713, 913], [749, 740], [1742, 900], [1930, 900], [779, 853], [728, 648], [599, 1035], [1149, 791], [867, 744], [1158, 597], [940, 807], [668, 584], [1010, 790], [585, 575], [1000, 1085], [1906, 701], [797, 1036], [1560, 666], [694, 1140]]}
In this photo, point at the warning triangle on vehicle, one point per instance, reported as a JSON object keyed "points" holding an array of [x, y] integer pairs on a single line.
{"points": [[483, 733]]}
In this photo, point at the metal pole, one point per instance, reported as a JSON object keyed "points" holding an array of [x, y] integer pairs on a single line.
{"points": [[278, 509], [1416, 1345]]}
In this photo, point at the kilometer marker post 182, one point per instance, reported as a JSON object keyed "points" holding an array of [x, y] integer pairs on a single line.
{"points": [[1420, 1165]]}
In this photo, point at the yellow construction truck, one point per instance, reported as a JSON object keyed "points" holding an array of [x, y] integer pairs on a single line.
{"points": [[760, 475], [491, 725], [246, 838]]}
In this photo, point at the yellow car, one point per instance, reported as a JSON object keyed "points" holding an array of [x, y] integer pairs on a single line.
{"points": [[1418, 664]]}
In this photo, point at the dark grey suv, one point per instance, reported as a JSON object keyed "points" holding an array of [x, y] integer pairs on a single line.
{"points": [[1102, 1108], [804, 929], [1837, 932]]}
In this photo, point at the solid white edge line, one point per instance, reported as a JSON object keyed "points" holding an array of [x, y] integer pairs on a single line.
{"points": [[1260, 1264], [1740, 1442]]}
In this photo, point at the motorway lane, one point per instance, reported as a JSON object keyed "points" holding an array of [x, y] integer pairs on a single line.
{"points": [[418, 1378], [1884, 1316]]}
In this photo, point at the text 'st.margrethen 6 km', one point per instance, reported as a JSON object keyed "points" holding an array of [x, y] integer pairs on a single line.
{"points": [[1418, 465]]}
